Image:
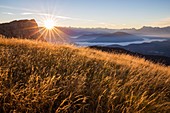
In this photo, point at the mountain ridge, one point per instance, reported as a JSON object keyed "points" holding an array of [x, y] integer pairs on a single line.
{"points": [[109, 37], [156, 31]]}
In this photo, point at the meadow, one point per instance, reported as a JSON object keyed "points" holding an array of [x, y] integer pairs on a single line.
{"points": [[38, 77]]}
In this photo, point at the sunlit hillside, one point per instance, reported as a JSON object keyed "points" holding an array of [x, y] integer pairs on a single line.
{"points": [[41, 77]]}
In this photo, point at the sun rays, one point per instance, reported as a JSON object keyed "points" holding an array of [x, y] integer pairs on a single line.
{"points": [[49, 32], [53, 35]]}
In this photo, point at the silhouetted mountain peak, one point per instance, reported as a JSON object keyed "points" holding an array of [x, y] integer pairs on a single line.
{"points": [[20, 29]]}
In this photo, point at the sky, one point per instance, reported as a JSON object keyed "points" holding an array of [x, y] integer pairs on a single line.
{"points": [[116, 14]]}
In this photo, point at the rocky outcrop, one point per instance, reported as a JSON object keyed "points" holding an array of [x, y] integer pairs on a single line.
{"points": [[21, 29]]}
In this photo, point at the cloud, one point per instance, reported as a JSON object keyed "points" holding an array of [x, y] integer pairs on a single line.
{"points": [[62, 17], [36, 12], [7, 13], [54, 16], [15, 8], [27, 13], [50, 15], [162, 23], [107, 25]]}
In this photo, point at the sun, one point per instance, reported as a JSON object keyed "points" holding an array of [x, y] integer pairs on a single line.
{"points": [[49, 24]]}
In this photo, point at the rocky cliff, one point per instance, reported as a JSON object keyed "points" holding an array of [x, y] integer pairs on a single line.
{"points": [[21, 29]]}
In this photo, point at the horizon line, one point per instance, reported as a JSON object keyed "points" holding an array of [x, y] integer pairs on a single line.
{"points": [[88, 27]]}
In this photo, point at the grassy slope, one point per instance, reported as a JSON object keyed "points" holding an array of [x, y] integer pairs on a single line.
{"points": [[41, 77]]}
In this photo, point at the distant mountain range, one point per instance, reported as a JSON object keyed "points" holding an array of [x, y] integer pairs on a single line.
{"points": [[150, 31], [108, 37], [71, 31], [93, 36], [153, 48], [147, 31]]}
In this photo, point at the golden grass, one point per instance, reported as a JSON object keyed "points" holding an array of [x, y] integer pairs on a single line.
{"points": [[41, 77]]}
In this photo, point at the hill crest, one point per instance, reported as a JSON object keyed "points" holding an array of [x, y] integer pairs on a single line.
{"points": [[58, 76]]}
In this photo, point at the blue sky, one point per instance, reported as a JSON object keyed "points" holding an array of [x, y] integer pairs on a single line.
{"points": [[90, 13]]}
